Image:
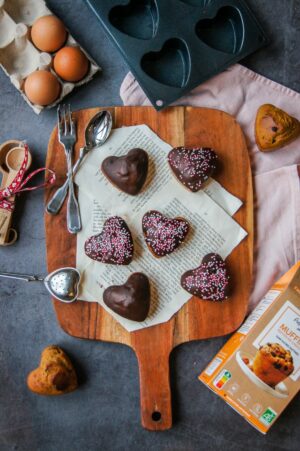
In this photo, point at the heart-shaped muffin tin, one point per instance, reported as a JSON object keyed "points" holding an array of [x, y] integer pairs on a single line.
{"points": [[172, 46], [19, 57]]}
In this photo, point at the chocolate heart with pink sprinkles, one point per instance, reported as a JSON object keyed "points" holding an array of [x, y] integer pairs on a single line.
{"points": [[210, 281], [114, 245], [163, 235], [192, 166]]}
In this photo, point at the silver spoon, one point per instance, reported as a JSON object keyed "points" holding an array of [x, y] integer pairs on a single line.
{"points": [[62, 284], [96, 134]]}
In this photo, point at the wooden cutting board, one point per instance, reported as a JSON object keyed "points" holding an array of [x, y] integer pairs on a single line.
{"points": [[197, 319]]}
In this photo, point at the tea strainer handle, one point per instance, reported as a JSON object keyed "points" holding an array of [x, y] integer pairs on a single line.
{"points": [[26, 277]]}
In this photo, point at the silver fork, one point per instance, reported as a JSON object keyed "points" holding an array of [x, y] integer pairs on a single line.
{"points": [[67, 137]]}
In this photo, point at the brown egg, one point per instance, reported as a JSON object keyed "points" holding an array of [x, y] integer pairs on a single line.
{"points": [[71, 64], [48, 33], [42, 87]]}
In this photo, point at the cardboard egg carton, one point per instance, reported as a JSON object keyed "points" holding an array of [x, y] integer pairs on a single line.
{"points": [[19, 57]]}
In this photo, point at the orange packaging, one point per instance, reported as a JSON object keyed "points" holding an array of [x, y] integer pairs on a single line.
{"points": [[257, 372]]}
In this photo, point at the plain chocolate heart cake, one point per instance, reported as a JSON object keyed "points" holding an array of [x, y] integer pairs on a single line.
{"points": [[131, 300], [163, 235], [210, 281], [114, 245], [192, 166], [129, 172]]}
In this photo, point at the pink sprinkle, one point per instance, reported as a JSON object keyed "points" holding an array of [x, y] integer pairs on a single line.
{"points": [[192, 166], [113, 245], [163, 235], [209, 281]]}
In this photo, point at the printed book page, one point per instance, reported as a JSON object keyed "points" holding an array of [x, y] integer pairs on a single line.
{"points": [[212, 228], [90, 177]]}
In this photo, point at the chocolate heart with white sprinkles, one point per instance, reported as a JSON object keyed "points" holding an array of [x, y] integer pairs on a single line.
{"points": [[192, 166], [131, 300], [129, 172], [114, 245], [162, 234], [210, 281]]}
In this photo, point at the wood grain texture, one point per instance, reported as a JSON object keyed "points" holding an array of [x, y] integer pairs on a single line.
{"points": [[197, 319]]}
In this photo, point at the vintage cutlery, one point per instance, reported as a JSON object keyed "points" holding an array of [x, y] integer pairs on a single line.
{"points": [[67, 137], [96, 134]]}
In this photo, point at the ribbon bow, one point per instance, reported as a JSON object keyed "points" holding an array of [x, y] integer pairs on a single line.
{"points": [[17, 185]]}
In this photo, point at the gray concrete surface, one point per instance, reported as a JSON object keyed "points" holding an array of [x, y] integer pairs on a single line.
{"points": [[104, 413]]}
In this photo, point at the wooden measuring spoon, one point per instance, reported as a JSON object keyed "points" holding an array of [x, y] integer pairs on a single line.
{"points": [[4, 171], [4, 149], [13, 161]]}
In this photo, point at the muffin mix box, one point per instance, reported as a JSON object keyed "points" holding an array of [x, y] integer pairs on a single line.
{"points": [[257, 372]]}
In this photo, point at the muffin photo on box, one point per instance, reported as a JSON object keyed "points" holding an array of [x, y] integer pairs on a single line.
{"points": [[257, 372], [273, 364]]}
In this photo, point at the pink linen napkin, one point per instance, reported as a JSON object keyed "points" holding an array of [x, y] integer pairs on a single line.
{"points": [[240, 92]]}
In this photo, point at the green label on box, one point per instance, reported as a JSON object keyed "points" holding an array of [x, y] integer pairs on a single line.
{"points": [[268, 416]]}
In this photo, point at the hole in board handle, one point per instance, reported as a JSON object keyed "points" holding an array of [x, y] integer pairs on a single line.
{"points": [[156, 416]]}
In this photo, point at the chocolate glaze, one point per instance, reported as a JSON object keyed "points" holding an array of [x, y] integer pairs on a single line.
{"points": [[192, 166], [131, 300], [163, 235], [210, 281], [129, 172], [114, 245]]}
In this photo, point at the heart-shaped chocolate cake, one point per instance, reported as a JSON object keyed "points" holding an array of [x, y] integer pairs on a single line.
{"points": [[55, 375], [192, 166], [274, 128], [163, 235], [129, 172], [131, 300], [114, 245], [210, 281]]}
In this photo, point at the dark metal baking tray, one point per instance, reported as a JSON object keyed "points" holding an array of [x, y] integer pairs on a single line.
{"points": [[172, 46]]}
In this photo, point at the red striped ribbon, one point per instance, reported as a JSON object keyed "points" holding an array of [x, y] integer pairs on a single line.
{"points": [[18, 184]]}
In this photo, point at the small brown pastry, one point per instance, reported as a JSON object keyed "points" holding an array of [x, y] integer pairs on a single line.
{"points": [[163, 235], [114, 245], [127, 173], [274, 128], [272, 364], [210, 281], [131, 300], [192, 166], [55, 375]]}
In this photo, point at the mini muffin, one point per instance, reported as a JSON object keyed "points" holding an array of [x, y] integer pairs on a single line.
{"points": [[272, 364], [55, 375], [274, 128]]}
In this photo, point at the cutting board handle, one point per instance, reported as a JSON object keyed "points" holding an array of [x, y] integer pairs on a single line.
{"points": [[155, 390]]}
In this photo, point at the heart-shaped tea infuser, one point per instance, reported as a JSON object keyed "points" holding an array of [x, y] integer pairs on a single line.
{"points": [[62, 284]]}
